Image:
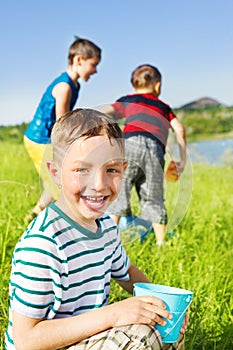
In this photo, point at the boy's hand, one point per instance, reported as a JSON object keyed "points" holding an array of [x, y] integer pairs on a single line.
{"points": [[136, 310], [180, 166], [184, 324]]}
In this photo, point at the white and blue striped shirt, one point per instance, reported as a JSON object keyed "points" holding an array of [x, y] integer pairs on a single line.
{"points": [[61, 269]]}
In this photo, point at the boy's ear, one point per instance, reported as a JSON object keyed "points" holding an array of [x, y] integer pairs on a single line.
{"points": [[54, 171], [78, 59], [125, 165], [157, 87]]}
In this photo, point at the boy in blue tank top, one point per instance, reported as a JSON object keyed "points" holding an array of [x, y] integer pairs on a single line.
{"points": [[59, 98]]}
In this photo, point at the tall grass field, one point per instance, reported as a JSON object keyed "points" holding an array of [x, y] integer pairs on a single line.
{"points": [[199, 258]]}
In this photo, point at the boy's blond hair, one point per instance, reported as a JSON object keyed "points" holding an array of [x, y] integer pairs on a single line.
{"points": [[83, 123], [144, 76]]}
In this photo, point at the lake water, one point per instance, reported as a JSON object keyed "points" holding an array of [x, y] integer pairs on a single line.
{"points": [[216, 152], [213, 152]]}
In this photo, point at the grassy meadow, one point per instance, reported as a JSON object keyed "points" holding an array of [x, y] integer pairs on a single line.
{"points": [[199, 258]]}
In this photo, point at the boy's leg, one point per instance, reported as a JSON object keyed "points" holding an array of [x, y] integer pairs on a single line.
{"points": [[133, 337], [152, 192], [40, 153], [121, 206], [160, 233]]}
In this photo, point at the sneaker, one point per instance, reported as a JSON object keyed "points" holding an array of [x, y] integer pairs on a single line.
{"points": [[160, 243], [141, 226], [144, 234], [171, 234], [126, 222]]}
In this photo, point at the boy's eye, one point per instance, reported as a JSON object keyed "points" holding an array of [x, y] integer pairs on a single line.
{"points": [[112, 170], [81, 170]]}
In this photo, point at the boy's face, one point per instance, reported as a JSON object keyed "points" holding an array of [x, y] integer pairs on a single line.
{"points": [[90, 178], [87, 67]]}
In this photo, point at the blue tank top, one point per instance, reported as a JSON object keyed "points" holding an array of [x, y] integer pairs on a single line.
{"points": [[39, 130]]}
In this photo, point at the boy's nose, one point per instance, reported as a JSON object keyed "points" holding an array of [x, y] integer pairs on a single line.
{"points": [[99, 182]]}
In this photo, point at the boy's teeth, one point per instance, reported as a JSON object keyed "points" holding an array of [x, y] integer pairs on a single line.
{"points": [[95, 199]]}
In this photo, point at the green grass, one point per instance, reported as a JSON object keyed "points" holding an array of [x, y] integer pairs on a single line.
{"points": [[200, 259]]}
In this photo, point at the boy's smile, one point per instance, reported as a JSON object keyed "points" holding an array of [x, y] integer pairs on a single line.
{"points": [[90, 176], [94, 203]]}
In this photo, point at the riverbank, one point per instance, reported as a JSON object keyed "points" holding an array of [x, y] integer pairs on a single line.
{"points": [[208, 137]]}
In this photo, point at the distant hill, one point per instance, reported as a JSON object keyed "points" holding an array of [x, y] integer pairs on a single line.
{"points": [[201, 103], [206, 118]]}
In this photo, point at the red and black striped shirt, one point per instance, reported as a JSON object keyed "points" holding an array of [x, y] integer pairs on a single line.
{"points": [[144, 115]]}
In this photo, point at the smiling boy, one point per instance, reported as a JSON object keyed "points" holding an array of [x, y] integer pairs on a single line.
{"points": [[62, 266]]}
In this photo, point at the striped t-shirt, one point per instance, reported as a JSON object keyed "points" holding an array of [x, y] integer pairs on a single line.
{"points": [[61, 269], [145, 114]]}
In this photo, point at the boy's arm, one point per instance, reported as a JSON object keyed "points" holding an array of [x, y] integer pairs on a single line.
{"points": [[181, 140], [136, 275], [108, 109], [62, 94], [116, 110], [34, 334]]}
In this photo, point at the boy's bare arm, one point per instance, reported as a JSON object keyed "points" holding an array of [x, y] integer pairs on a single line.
{"points": [[136, 275], [37, 334], [108, 109], [62, 94], [181, 140], [34, 334]]}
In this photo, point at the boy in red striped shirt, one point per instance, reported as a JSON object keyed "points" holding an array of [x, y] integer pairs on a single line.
{"points": [[147, 124]]}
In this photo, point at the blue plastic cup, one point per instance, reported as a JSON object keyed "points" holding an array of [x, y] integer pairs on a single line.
{"points": [[177, 302]]}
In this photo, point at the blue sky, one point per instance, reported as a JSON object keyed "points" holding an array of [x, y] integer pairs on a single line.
{"points": [[191, 42]]}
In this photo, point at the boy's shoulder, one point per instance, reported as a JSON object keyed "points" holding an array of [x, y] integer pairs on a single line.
{"points": [[62, 78], [146, 99], [52, 221], [139, 97], [107, 220], [46, 223]]}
